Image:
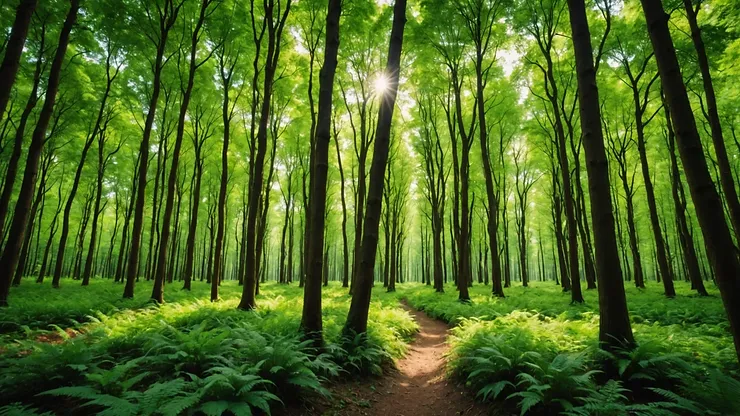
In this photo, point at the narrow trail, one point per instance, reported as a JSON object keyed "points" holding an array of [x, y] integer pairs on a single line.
{"points": [[418, 387]]}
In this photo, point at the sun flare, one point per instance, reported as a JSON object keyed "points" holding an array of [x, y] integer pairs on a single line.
{"points": [[382, 83]]}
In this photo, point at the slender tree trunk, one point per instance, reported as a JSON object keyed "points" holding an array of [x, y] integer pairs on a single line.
{"points": [[359, 308], [226, 118], [9, 258], [311, 320], [161, 262], [122, 251], [614, 327], [38, 201], [13, 50], [11, 170], [50, 240], [167, 20], [345, 243], [679, 201], [96, 211], [707, 203], [726, 179], [274, 40]]}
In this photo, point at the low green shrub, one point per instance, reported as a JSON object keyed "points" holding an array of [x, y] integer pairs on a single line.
{"points": [[534, 352], [191, 356]]}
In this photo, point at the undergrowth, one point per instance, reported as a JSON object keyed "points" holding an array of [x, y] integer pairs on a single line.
{"points": [[187, 356], [535, 353]]}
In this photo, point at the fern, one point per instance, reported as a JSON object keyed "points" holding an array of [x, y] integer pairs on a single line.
{"points": [[557, 385], [719, 393], [359, 356], [233, 388], [153, 401], [18, 409]]}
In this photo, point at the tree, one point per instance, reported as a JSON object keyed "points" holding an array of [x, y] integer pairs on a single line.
{"points": [[614, 327], [161, 17], [709, 210], [228, 59], [679, 200], [524, 180], [481, 17], [311, 319], [33, 98], [14, 49], [359, 308], [9, 258], [436, 174], [640, 88], [275, 16], [103, 160], [186, 90], [726, 179], [543, 25]]}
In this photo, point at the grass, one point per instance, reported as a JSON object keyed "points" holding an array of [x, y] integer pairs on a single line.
{"points": [[534, 351], [104, 355], [91, 352]]}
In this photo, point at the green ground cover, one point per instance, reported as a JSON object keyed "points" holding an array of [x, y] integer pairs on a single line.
{"points": [[84, 350], [535, 351]]}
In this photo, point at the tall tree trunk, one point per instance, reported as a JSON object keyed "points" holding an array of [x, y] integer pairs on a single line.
{"points": [[679, 202], [109, 272], [49, 242], [37, 201], [96, 210], [274, 39], [707, 203], [311, 319], [345, 242], [360, 306], [13, 50], [161, 262], [614, 327], [663, 266], [9, 258], [167, 20], [11, 170], [193, 225], [123, 249], [723, 163]]}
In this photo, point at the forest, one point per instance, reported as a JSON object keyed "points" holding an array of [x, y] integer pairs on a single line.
{"points": [[376, 207]]}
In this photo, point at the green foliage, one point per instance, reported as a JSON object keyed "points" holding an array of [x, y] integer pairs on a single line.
{"points": [[195, 357], [359, 355], [18, 409], [718, 392], [555, 384], [542, 356], [648, 365]]}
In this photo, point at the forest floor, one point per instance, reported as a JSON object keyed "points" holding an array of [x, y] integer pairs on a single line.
{"points": [[418, 386]]}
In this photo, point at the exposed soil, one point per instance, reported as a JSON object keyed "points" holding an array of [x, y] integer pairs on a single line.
{"points": [[418, 387], [55, 338]]}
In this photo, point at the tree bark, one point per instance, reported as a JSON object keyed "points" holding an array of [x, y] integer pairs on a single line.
{"points": [[614, 327], [709, 210], [360, 306], [11, 170], [274, 39], [9, 258], [14, 50], [311, 324], [679, 202], [167, 19], [726, 179]]}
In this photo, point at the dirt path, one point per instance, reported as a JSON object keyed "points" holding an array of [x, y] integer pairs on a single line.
{"points": [[417, 388]]}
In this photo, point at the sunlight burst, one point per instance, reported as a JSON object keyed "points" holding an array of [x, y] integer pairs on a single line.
{"points": [[382, 83]]}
